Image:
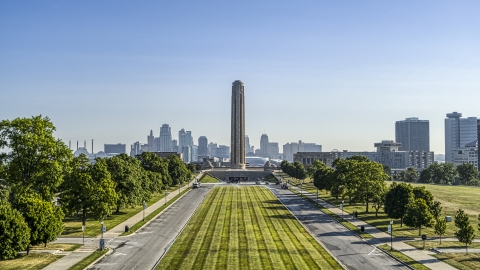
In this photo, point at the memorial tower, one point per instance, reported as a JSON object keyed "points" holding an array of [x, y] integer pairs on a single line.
{"points": [[237, 157]]}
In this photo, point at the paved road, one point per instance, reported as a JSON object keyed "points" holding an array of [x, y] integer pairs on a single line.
{"points": [[351, 250], [142, 249]]}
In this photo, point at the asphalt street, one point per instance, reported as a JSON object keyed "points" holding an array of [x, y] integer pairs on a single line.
{"points": [[143, 249], [348, 248]]}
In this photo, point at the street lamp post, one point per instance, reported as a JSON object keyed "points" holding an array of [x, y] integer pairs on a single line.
{"points": [[144, 206], [166, 193], [317, 196], [341, 207], [391, 235], [102, 243]]}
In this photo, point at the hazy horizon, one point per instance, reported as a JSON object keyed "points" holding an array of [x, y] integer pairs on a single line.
{"points": [[339, 74]]}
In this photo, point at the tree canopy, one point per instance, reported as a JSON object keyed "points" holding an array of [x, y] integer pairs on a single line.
{"points": [[417, 214], [397, 199], [15, 234]]}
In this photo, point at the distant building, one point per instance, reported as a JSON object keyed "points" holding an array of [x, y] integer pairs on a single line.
{"points": [[467, 154], [187, 154], [136, 149], [272, 150], [478, 139], [289, 149], [387, 154], [263, 152], [167, 154], [458, 132], [413, 134], [175, 146], [222, 151], [165, 144], [247, 145], [115, 148], [151, 141], [202, 146]]}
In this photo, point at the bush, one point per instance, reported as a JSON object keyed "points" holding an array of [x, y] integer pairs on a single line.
{"points": [[15, 233]]}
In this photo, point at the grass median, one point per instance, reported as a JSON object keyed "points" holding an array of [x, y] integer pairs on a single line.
{"points": [[404, 258], [245, 228], [88, 260], [138, 225], [208, 179]]}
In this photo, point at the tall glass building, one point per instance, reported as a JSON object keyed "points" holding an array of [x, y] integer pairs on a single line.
{"points": [[413, 134], [165, 138], [458, 132]]}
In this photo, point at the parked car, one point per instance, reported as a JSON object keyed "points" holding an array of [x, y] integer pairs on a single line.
{"points": [[196, 185]]}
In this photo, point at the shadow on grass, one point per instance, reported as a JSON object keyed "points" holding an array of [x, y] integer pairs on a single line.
{"points": [[282, 216]]}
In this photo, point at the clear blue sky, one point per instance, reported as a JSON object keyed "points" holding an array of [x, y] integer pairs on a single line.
{"points": [[337, 73]]}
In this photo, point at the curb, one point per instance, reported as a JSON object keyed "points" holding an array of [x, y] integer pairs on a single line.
{"points": [[395, 258], [309, 232]]}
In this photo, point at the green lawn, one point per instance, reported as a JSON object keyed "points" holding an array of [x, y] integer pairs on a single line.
{"points": [[73, 225], [470, 196], [404, 258], [445, 244], [460, 260], [33, 261], [208, 179], [245, 228]]}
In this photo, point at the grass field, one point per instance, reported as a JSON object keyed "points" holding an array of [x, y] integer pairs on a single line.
{"points": [[73, 225], [33, 261], [404, 258], [208, 179], [245, 228], [460, 260], [451, 197]]}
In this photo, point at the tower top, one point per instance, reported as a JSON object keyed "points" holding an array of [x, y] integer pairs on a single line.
{"points": [[237, 82]]}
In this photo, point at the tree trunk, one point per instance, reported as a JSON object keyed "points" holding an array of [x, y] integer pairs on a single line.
{"points": [[28, 249], [376, 213], [401, 222], [419, 230], [118, 208], [440, 239], [366, 201]]}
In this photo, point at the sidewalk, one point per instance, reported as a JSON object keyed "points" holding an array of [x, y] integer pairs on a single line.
{"points": [[380, 237], [92, 244]]}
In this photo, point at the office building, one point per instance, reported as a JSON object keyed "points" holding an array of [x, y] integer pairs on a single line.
{"points": [[263, 152], [247, 145], [458, 132], [467, 154], [413, 134], [115, 148], [165, 138], [202, 146], [151, 141], [289, 149]]}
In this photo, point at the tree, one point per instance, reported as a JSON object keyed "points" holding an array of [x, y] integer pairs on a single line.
{"points": [[387, 170], [448, 174], [422, 193], [15, 234], [440, 227], [322, 176], [44, 219], [417, 215], [88, 189], [299, 171], [465, 233], [370, 181], [409, 175], [466, 173], [436, 209], [312, 169], [177, 170], [153, 163], [397, 199], [378, 198], [37, 160], [426, 176], [126, 173]]}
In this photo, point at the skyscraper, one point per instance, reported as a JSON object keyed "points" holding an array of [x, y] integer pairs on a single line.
{"points": [[165, 138], [202, 146], [413, 134], [185, 140], [247, 144], [151, 142], [264, 145], [237, 158], [458, 132]]}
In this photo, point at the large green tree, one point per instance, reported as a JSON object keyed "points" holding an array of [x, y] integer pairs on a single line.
{"points": [[440, 227], [322, 176], [417, 214], [44, 219], [153, 163], [426, 195], [467, 172], [177, 170], [37, 160], [397, 199], [14, 231], [129, 179], [465, 232], [88, 189]]}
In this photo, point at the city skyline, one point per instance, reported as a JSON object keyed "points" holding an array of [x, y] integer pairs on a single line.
{"points": [[339, 75]]}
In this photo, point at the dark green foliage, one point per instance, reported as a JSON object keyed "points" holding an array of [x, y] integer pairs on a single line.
{"points": [[387, 170], [409, 175], [422, 193], [397, 199], [88, 189], [436, 209], [37, 160], [417, 214], [440, 227], [44, 219], [465, 233], [322, 176], [467, 173], [14, 232], [153, 163], [177, 170]]}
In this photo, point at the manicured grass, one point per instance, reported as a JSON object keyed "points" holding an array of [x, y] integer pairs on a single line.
{"points": [[73, 225], [445, 244], [52, 246], [404, 258], [382, 221], [33, 261], [460, 260], [138, 225], [208, 179], [88, 260], [245, 228]]}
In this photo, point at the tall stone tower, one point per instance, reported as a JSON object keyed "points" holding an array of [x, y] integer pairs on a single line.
{"points": [[237, 159]]}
